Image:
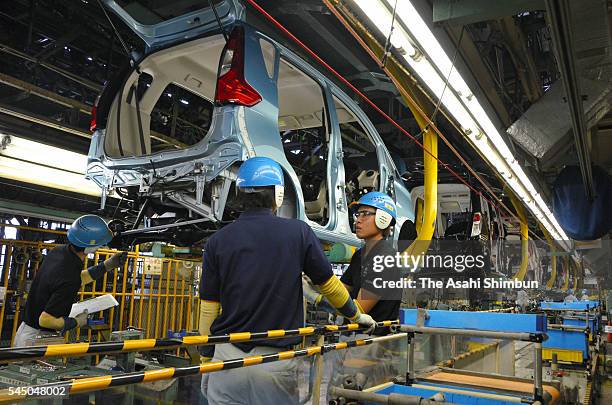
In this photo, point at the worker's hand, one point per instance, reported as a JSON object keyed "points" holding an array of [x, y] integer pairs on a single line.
{"points": [[367, 321], [116, 260], [81, 319], [312, 296], [315, 297]]}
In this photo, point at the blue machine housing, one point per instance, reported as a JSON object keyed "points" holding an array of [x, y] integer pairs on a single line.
{"points": [[576, 305], [593, 323], [486, 321], [571, 340], [453, 398]]}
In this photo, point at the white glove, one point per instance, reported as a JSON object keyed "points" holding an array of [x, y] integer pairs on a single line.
{"points": [[81, 319], [367, 321], [312, 296]]}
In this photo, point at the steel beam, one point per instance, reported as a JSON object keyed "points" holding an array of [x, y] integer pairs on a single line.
{"points": [[38, 119], [59, 44], [521, 58], [559, 14], [482, 74], [46, 94], [463, 12], [67, 102], [31, 210], [87, 83]]}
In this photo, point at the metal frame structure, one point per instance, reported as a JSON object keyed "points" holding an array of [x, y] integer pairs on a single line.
{"points": [[107, 381], [569, 341], [149, 301], [524, 327], [80, 349]]}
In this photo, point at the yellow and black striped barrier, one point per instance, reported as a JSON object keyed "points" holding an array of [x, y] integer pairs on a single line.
{"points": [[81, 349], [108, 381], [509, 309]]}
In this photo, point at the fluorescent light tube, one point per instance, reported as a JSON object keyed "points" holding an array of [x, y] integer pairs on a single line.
{"points": [[35, 152], [44, 165]]}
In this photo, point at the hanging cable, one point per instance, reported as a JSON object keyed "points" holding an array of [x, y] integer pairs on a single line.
{"points": [[387, 48], [123, 44], [214, 9], [437, 108]]}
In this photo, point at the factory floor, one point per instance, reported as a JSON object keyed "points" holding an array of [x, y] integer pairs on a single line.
{"points": [[606, 392], [606, 384]]}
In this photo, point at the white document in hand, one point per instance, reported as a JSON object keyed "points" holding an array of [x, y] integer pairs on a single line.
{"points": [[94, 305]]}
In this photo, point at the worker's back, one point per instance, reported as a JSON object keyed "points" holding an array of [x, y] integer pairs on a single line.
{"points": [[55, 286], [253, 268]]}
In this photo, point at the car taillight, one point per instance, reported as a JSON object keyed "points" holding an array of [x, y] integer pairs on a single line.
{"points": [[476, 228], [93, 124], [232, 87]]}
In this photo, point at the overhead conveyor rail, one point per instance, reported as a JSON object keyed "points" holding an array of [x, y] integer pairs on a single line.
{"points": [[107, 381], [83, 349]]}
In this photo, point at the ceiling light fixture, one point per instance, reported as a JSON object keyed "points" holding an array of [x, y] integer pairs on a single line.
{"points": [[44, 165]]}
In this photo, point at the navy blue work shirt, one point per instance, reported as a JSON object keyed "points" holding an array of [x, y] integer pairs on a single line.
{"points": [[55, 286], [359, 275], [253, 267]]}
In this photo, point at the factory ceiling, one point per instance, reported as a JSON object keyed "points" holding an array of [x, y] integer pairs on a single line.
{"points": [[57, 55]]}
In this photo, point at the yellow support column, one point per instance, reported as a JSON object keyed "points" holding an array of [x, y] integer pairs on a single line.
{"points": [[133, 293], [553, 259], [6, 269], [21, 291], [520, 211], [576, 276], [123, 294], [566, 263]]}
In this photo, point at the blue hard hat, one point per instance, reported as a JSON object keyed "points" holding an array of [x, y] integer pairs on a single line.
{"points": [[377, 200], [260, 172], [570, 291], [89, 231]]}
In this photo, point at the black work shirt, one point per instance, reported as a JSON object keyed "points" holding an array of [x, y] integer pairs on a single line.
{"points": [[360, 274], [253, 267], [55, 286]]}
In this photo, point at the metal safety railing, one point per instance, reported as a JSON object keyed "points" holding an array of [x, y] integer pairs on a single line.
{"points": [[535, 338], [154, 294], [83, 349], [106, 381]]}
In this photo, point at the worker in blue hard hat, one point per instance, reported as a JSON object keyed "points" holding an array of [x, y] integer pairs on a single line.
{"points": [[375, 214], [252, 269], [570, 296], [585, 296], [60, 277]]}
